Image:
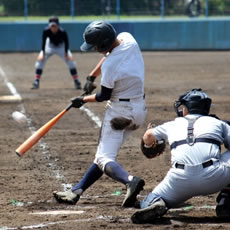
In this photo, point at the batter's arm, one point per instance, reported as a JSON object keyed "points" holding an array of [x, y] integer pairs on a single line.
{"points": [[97, 70], [90, 85]]}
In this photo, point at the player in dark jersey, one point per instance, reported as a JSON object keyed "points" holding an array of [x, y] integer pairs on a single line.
{"points": [[55, 41]]}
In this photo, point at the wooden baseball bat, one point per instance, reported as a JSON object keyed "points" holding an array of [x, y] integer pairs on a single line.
{"points": [[35, 137]]}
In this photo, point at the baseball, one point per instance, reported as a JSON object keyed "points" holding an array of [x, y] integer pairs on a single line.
{"points": [[19, 117]]}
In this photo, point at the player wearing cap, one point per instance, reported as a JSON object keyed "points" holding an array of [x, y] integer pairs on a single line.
{"points": [[122, 85], [55, 41], [198, 166]]}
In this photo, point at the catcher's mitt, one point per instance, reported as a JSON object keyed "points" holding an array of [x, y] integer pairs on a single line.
{"points": [[152, 151]]}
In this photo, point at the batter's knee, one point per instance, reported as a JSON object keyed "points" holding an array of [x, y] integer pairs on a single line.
{"points": [[102, 161], [71, 64]]}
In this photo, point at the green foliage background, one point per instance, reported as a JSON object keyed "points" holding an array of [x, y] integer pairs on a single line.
{"points": [[103, 7]]}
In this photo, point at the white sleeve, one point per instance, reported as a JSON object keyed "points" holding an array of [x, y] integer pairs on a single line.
{"points": [[160, 132], [226, 132]]}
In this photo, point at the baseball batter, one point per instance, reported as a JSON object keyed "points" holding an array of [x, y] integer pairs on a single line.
{"points": [[55, 41], [122, 85], [198, 167]]}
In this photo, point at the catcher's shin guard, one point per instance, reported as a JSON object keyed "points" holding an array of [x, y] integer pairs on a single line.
{"points": [[133, 189]]}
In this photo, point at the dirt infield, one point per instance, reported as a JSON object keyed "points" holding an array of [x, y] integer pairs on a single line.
{"points": [[63, 155]]}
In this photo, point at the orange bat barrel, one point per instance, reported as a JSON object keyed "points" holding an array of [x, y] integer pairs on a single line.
{"points": [[35, 137]]}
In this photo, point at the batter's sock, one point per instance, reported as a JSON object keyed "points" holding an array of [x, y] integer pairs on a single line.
{"points": [[116, 172], [38, 72], [91, 176], [75, 77], [73, 72]]}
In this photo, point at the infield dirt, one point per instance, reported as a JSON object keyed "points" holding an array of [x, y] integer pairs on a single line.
{"points": [[63, 155]]}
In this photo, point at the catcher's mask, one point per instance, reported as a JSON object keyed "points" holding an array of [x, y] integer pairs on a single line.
{"points": [[196, 101], [99, 35]]}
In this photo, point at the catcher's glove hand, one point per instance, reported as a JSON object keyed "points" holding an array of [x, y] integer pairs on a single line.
{"points": [[90, 86], [154, 150]]}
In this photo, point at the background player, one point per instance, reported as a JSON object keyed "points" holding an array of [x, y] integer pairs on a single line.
{"points": [[55, 41], [198, 167], [122, 83]]}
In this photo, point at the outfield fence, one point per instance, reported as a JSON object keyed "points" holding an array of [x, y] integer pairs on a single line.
{"points": [[114, 8]]}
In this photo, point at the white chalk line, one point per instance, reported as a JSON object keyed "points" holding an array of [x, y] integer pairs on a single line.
{"points": [[43, 225], [111, 218], [43, 145], [93, 117]]}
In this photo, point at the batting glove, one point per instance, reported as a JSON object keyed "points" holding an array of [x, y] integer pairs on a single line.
{"points": [[90, 85], [77, 102]]}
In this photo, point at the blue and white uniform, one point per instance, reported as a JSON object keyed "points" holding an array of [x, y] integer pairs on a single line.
{"points": [[55, 44], [199, 169]]}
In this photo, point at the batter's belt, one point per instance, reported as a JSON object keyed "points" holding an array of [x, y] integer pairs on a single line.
{"points": [[128, 99]]}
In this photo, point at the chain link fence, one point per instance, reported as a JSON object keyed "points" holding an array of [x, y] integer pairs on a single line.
{"points": [[114, 8]]}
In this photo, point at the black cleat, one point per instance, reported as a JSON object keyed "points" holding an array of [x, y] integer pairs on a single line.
{"points": [[147, 215], [67, 197], [133, 189], [77, 84], [35, 85]]}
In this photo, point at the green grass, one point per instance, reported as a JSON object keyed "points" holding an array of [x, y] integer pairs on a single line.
{"points": [[84, 18], [92, 17]]}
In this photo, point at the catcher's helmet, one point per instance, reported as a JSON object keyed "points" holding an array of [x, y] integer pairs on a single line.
{"points": [[99, 35], [196, 101]]}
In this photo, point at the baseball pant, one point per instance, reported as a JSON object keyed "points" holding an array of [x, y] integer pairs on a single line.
{"points": [[180, 185], [50, 50], [111, 140]]}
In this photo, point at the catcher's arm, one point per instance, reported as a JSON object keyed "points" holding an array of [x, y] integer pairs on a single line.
{"points": [[149, 139], [150, 146]]}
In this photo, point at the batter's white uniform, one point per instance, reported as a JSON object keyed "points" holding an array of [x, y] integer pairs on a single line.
{"points": [[122, 71], [181, 184]]}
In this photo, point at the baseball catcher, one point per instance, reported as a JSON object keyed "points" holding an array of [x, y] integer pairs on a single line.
{"points": [[198, 167]]}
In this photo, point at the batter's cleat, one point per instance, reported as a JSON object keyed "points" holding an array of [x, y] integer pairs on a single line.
{"points": [[67, 197], [35, 85], [77, 84], [149, 214], [133, 189]]}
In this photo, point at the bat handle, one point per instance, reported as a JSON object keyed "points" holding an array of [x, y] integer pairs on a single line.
{"points": [[69, 107]]}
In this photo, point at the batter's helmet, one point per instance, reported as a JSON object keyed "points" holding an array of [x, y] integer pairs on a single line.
{"points": [[196, 101], [99, 35]]}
